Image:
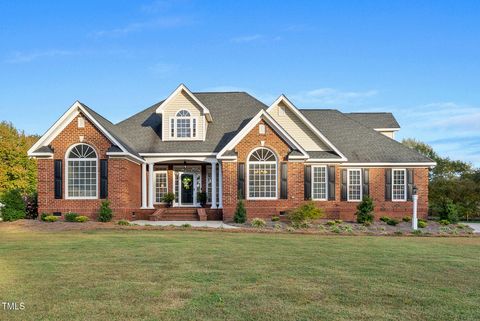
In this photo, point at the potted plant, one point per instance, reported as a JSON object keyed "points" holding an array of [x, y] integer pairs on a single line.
{"points": [[202, 198], [168, 199]]}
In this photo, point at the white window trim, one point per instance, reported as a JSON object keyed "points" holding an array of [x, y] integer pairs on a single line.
{"points": [[348, 184], [65, 180], [326, 183], [190, 118], [248, 197], [206, 182], [404, 170], [155, 184]]}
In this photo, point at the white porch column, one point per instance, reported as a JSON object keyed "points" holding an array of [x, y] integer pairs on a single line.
{"points": [[150, 185], [144, 185], [220, 185], [214, 184]]}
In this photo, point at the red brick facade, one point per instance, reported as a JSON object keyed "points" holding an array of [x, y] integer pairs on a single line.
{"points": [[124, 181]]}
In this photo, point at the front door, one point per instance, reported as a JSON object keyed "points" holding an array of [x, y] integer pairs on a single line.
{"points": [[187, 187]]}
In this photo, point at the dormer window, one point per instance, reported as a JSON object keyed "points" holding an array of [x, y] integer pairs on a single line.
{"points": [[183, 125]]}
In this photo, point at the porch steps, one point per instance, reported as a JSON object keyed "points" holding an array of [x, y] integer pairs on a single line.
{"points": [[175, 214]]}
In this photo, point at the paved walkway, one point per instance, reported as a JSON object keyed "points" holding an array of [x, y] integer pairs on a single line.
{"points": [[212, 224], [475, 226]]}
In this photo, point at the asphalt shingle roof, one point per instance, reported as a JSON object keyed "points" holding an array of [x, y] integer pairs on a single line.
{"points": [[375, 120]]}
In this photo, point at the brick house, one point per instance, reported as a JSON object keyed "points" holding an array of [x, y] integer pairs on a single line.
{"points": [[230, 146]]}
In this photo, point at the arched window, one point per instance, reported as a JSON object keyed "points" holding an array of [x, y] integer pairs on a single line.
{"points": [[262, 174], [183, 125], [82, 170]]}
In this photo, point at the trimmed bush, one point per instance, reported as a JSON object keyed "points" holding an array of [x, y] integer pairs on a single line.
{"points": [[123, 222], [81, 219], [407, 219], [168, 198], [186, 225], [338, 221], [240, 213], [417, 232], [444, 222], [392, 222], [258, 223], [50, 218], [365, 210], [422, 224], [14, 206], [71, 217], [106, 213], [31, 206], [202, 198], [305, 213], [275, 218], [43, 216], [385, 219], [330, 223]]}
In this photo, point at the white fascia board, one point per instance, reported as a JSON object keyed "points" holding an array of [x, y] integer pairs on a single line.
{"points": [[65, 120], [177, 92], [176, 154], [185, 158], [386, 129], [322, 160], [306, 122], [415, 164], [262, 114]]}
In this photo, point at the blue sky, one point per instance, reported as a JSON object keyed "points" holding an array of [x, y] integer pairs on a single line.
{"points": [[417, 59]]}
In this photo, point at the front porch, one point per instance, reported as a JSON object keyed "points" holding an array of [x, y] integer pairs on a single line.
{"points": [[196, 183]]}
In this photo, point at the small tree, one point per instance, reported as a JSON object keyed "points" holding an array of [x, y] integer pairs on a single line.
{"points": [[106, 212], [240, 213], [365, 210], [14, 207], [305, 213]]}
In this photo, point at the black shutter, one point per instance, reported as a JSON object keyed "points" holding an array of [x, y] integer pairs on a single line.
{"points": [[57, 169], [241, 181], [307, 182], [103, 178], [283, 181], [388, 184], [410, 182], [344, 184], [331, 183], [365, 182]]}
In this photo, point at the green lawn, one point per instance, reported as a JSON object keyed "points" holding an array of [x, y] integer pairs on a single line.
{"points": [[193, 275]]}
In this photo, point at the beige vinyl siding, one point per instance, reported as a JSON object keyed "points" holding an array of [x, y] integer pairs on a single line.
{"points": [[389, 134], [298, 130], [182, 101]]}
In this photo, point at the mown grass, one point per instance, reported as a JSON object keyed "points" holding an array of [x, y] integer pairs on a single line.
{"points": [[191, 275]]}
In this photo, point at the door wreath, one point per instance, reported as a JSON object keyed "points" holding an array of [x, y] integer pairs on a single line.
{"points": [[187, 182]]}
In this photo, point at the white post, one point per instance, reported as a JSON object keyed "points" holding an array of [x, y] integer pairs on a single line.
{"points": [[414, 220], [220, 186], [144, 185], [214, 184], [150, 185]]}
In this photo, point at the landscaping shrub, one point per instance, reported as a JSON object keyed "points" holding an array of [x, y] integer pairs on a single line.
{"points": [[444, 222], [106, 213], [392, 222], [43, 216], [31, 206], [275, 218], [305, 213], [186, 225], [300, 225], [71, 217], [50, 218], [277, 226], [367, 223], [338, 221], [422, 224], [451, 213], [258, 223], [407, 219], [365, 210], [202, 198], [14, 206], [168, 198], [240, 213], [81, 219], [417, 232], [123, 222], [335, 229], [385, 219], [330, 223], [398, 233]]}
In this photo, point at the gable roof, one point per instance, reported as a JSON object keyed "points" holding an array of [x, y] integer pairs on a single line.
{"points": [[263, 115], [176, 92], [361, 144], [230, 110], [376, 120]]}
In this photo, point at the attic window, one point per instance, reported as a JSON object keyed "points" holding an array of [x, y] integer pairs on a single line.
{"points": [[81, 122], [261, 129], [281, 110], [183, 125]]}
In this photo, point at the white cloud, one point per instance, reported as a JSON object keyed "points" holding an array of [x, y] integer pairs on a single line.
{"points": [[247, 38], [24, 57], [160, 23], [331, 96]]}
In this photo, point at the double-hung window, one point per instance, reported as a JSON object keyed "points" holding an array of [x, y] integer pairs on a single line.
{"points": [[319, 183], [82, 172], [161, 185], [262, 174], [183, 125], [354, 184], [399, 185]]}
